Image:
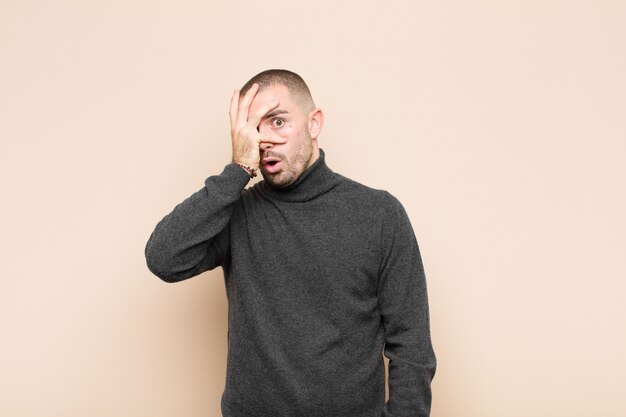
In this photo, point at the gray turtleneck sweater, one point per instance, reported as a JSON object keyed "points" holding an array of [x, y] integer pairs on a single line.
{"points": [[321, 278]]}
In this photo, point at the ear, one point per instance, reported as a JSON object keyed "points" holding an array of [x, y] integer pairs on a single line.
{"points": [[316, 122]]}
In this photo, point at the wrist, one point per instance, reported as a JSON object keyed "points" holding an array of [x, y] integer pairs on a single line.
{"points": [[252, 172], [252, 162]]}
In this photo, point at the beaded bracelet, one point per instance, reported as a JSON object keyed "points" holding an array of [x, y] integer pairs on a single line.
{"points": [[251, 171]]}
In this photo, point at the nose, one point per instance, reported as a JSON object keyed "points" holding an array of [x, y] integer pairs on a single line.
{"points": [[265, 133]]}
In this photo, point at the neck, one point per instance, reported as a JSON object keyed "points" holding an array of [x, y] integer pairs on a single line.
{"points": [[315, 155], [316, 179]]}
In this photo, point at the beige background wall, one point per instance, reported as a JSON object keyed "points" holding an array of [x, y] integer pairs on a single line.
{"points": [[499, 124]]}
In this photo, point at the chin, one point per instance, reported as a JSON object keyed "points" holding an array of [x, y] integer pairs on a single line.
{"points": [[279, 184], [277, 181]]}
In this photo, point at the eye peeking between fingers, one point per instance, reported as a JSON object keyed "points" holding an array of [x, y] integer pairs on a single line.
{"points": [[278, 123]]}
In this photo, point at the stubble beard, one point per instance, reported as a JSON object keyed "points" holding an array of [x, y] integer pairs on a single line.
{"points": [[292, 168]]}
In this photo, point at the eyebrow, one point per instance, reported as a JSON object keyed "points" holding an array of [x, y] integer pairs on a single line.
{"points": [[275, 113]]}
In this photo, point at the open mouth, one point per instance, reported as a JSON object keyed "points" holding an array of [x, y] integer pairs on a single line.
{"points": [[270, 161], [271, 165]]}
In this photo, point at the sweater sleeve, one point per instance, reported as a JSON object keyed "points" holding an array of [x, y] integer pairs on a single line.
{"points": [[403, 305], [194, 237]]}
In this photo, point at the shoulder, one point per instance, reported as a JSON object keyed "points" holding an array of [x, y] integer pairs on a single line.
{"points": [[373, 197], [381, 208]]}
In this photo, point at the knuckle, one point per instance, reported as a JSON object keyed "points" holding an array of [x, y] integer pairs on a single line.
{"points": [[241, 133], [248, 133]]}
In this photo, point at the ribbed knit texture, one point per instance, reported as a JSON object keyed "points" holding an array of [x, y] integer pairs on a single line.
{"points": [[320, 277]]}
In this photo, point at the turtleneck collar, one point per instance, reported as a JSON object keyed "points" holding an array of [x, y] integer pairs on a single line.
{"points": [[315, 180]]}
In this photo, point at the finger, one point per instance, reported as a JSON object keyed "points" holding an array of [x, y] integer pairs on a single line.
{"points": [[272, 139], [234, 104], [255, 119], [244, 106]]}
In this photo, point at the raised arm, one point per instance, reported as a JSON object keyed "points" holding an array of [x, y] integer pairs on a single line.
{"points": [[194, 237], [403, 304]]}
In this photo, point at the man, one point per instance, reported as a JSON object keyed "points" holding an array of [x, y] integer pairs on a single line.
{"points": [[322, 274]]}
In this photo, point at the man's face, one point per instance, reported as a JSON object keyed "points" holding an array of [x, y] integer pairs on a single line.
{"points": [[282, 164]]}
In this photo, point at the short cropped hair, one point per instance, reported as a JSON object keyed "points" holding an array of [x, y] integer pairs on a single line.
{"points": [[294, 83]]}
